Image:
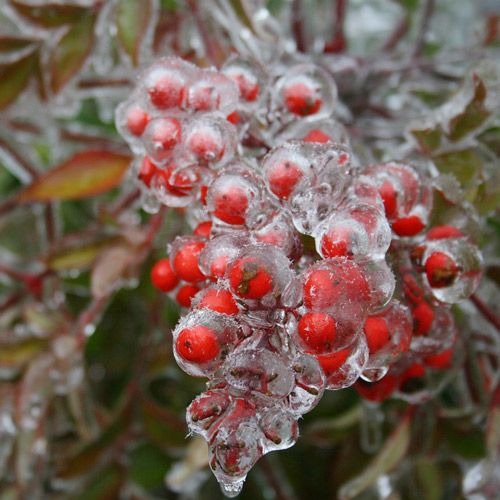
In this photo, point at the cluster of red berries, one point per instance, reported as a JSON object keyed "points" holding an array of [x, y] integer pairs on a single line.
{"points": [[273, 321]]}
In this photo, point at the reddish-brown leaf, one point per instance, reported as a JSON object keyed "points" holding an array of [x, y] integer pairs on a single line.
{"points": [[86, 174], [71, 52], [14, 77], [49, 15]]}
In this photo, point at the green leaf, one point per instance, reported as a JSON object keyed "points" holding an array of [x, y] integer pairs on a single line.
{"points": [[429, 139], [86, 174], [50, 14], [71, 51], [104, 485], [132, 20], [474, 114], [14, 77], [152, 476], [15, 356], [389, 456], [464, 165], [80, 257], [15, 44]]}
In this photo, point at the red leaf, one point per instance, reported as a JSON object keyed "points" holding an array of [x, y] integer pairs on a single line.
{"points": [[86, 174]]}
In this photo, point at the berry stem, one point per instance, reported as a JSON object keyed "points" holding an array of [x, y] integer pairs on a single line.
{"points": [[399, 32], [298, 25], [13, 299], [338, 43], [487, 313], [200, 23], [424, 27]]}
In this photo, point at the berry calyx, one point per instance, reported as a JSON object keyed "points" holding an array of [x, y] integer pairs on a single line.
{"points": [[249, 279], [197, 344], [137, 120], [186, 294], [185, 262], [318, 331], [218, 300], [441, 270], [163, 276], [302, 99], [283, 176], [376, 332]]}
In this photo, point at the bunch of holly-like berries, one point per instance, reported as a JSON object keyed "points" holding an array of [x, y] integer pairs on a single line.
{"points": [[304, 272]]}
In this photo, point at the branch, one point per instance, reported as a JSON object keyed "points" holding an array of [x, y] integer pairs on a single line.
{"points": [[487, 313], [298, 26]]}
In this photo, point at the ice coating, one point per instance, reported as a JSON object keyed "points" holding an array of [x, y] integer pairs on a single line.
{"points": [[306, 270]]}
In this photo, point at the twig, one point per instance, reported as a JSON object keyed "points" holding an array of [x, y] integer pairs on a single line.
{"points": [[19, 159], [298, 25], [424, 27], [488, 314], [200, 23], [338, 43], [125, 202], [268, 470], [398, 33], [13, 299]]}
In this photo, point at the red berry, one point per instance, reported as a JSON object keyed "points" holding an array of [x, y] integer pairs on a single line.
{"points": [[337, 243], [206, 145], [137, 119], [423, 317], [166, 91], [412, 290], [185, 262], [441, 270], [283, 176], [231, 204], [186, 294], [249, 87], [249, 279], [221, 301], [166, 135], [163, 276], [183, 181], [147, 172], [377, 333], [302, 99], [408, 226], [203, 229], [442, 232], [204, 97], [390, 198], [316, 135], [219, 265], [323, 288], [440, 361], [332, 363], [210, 404], [233, 118], [414, 371], [197, 344], [203, 194], [377, 391], [318, 331]]}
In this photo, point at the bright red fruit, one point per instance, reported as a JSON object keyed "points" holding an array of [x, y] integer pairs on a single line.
{"points": [[408, 226], [163, 276], [249, 88], [390, 198], [337, 242], [137, 119], [231, 204], [442, 232], [166, 135], [316, 135], [423, 317], [147, 171], [206, 145], [318, 332], [283, 176], [185, 262], [332, 363], [218, 300], [249, 279], [197, 344], [441, 270], [203, 229], [440, 361], [186, 294], [377, 391], [166, 91], [377, 333], [302, 99]]}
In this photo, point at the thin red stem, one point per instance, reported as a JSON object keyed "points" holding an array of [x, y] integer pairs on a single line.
{"points": [[298, 25], [338, 43], [424, 27], [398, 33], [488, 314]]}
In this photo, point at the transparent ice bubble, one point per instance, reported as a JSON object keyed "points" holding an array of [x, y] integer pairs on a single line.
{"points": [[381, 282], [209, 140], [259, 370], [280, 428], [463, 272], [260, 275], [162, 136], [203, 332], [176, 187], [206, 410], [212, 91], [305, 90], [131, 121], [309, 385], [233, 197], [316, 130], [220, 251], [390, 333]]}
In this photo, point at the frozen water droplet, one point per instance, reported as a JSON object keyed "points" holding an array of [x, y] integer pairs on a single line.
{"points": [[231, 490]]}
